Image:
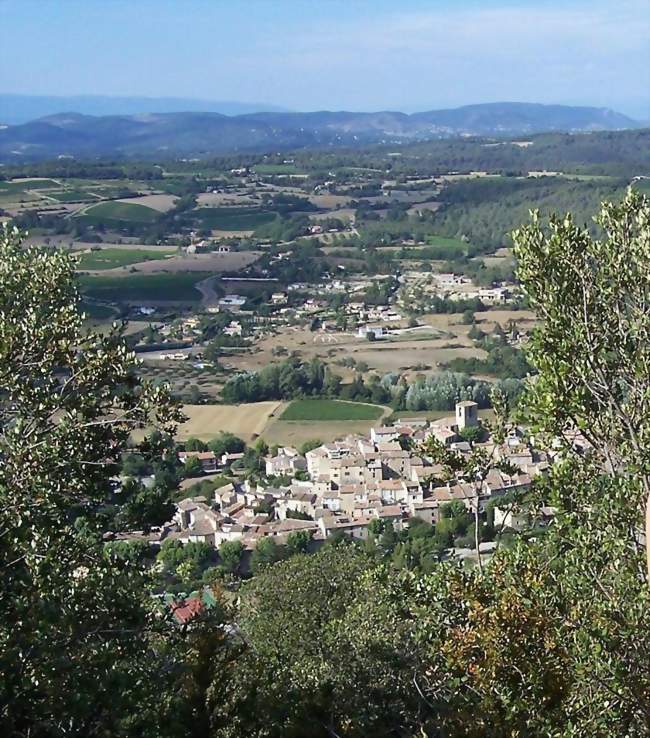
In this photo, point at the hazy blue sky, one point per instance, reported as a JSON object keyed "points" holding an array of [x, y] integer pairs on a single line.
{"points": [[333, 54]]}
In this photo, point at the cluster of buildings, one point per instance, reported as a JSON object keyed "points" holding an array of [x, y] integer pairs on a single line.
{"points": [[454, 287], [345, 485]]}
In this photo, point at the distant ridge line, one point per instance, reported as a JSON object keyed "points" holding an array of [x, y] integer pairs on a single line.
{"points": [[151, 134]]}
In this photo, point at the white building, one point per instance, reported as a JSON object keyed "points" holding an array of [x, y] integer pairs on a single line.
{"points": [[232, 301], [364, 330]]}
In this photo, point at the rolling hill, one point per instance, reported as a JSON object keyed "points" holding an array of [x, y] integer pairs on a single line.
{"points": [[197, 133]]}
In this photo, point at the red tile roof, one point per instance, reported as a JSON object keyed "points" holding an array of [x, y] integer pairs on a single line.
{"points": [[186, 610]]}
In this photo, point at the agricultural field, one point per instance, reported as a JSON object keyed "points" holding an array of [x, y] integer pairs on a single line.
{"points": [[118, 213], [318, 409], [329, 202], [278, 169], [184, 377], [444, 241], [426, 205], [162, 202], [296, 432], [246, 421], [17, 186], [143, 288], [413, 357], [14, 198], [406, 353], [232, 219], [99, 259], [211, 262], [72, 196], [226, 199], [345, 215], [110, 191]]}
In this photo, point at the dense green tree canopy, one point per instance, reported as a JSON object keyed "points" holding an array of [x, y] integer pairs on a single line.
{"points": [[76, 629]]}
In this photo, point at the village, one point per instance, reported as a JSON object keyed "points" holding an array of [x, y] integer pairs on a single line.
{"points": [[359, 485]]}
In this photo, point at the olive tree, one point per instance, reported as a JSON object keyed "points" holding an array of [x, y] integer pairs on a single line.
{"points": [[77, 632], [593, 349]]}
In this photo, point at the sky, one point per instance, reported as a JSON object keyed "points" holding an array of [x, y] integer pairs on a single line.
{"points": [[405, 55]]}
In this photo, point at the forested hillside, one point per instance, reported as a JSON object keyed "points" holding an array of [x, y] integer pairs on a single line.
{"points": [[483, 210], [69, 133]]}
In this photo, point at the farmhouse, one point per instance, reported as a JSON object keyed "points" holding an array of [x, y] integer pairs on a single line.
{"points": [[207, 458], [365, 330], [232, 301], [234, 328], [279, 298], [494, 294]]}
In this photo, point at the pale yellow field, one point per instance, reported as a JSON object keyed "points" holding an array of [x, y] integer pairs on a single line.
{"points": [[526, 319], [405, 357], [246, 421], [217, 199], [398, 353]]}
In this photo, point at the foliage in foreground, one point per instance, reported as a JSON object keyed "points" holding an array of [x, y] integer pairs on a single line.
{"points": [[550, 638], [77, 632]]}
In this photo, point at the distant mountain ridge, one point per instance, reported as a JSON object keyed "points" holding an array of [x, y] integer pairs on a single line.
{"points": [[201, 133], [17, 109]]}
